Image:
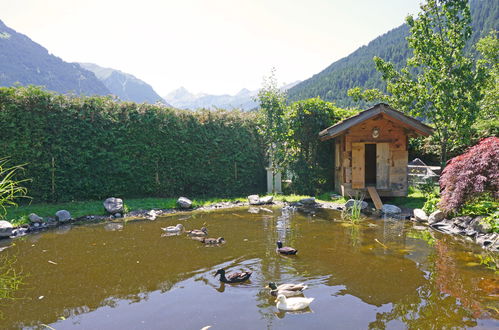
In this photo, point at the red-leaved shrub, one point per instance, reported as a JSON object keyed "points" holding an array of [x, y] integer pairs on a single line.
{"points": [[470, 175]]}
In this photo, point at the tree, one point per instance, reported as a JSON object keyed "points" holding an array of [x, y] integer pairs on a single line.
{"points": [[272, 124], [309, 158], [439, 83], [489, 106]]}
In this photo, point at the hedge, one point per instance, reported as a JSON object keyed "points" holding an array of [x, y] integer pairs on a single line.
{"points": [[79, 148]]}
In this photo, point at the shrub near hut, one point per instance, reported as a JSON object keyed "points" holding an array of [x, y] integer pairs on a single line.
{"points": [[470, 182]]}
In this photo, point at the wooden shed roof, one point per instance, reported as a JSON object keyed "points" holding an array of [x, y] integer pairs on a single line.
{"points": [[380, 108]]}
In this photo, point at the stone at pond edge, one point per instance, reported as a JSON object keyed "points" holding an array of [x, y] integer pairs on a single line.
{"points": [[436, 216], [266, 199], [253, 200], [350, 203], [5, 228], [117, 215], [113, 205], [184, 203], [307, 201], [34, 218], [462, 222], [390, 209], [63, 215], [420, 215], [482, 226]]}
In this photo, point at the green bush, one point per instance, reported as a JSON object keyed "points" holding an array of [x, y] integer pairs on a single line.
{"points": [[430, 205], [80, 148]]}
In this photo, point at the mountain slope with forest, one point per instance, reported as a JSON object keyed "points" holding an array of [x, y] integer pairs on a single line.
{"points": [[357, 69], [124, 85], [25, 62]]}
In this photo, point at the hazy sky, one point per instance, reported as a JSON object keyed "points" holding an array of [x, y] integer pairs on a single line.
{"points": [[211, 46]]}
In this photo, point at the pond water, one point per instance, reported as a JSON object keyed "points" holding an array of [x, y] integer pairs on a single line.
{"points": [[379, 274]]}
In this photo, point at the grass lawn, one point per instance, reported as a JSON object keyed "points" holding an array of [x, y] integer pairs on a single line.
{"points": [[414, 200], [18, 215]]}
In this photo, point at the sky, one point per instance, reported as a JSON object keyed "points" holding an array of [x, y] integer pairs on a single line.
{"points": [[208, 46]]}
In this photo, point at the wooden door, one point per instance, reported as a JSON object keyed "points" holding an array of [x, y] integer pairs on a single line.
{"points": [[382, 165], [358, 163]]}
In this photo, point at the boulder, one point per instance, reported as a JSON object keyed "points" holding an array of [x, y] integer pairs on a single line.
{"points": [[266, 200], [462, 222], [5, 228], [420, 215], [390, 209], [33, 218], [184, 203], [113, 205], [63, 215], [482, 226], [436, 216], [253, 200], [307, 201], [350, 203]]}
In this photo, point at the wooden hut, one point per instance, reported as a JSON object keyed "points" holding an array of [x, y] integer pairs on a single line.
{"points": [[370, 151]]}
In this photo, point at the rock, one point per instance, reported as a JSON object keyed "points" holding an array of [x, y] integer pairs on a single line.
{"points": [[113, 205], [482, 226], [307, 201], [462, 222], [436, 216], [420, 215], [253, 200], [63, 216], [5, 228], [390, 209], [184, 203], [117, 215], [266, 199], [350, 203], [335, 196], [33, 218], [419, 227]]}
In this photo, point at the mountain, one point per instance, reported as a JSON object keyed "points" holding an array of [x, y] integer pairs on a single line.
{"points": [[25, 62], [244, 99], [125, 86], [357, 69]]}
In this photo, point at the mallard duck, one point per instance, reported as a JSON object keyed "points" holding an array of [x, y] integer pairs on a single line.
{"points": [[233, 277], [219, 240], [174, 229], [292, 304], [198, 232], [288, 289], [285, 249]]}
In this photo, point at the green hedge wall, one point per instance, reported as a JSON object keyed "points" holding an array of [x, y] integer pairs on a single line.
{"points": [[79, 148]]}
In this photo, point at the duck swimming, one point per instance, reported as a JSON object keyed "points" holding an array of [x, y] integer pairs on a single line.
{"points": [[292, 304], [213, 241], [288, 289], [174, 229], [285, 249], [233, 277], [198, 232]]}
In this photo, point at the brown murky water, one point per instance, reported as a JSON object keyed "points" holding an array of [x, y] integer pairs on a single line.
{"points": [[379, 274]]}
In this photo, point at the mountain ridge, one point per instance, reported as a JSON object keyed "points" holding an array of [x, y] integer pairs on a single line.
{"points": [[358, 69], [25, 62]]}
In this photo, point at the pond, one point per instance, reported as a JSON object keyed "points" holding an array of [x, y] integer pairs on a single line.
{"points": [[378, 274]]}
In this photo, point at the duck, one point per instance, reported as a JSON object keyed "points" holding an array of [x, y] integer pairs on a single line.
{"points": [[198, 232], [174, 229], [288, 289], [233, 277], [292, 304], [213, 241], [285, 249]]}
